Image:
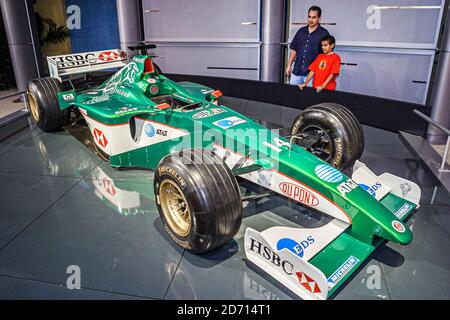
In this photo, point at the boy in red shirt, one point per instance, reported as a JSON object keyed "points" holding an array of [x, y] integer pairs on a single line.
{"points": [[325, 69]]}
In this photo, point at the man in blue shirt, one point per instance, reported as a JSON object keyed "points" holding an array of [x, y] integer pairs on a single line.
{"points": [[305, 47]]}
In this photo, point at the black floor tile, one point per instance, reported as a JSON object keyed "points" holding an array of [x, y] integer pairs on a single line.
{"points": [[23, 198], [421, 270], [22, 289], [55, 154], [110, 229]]}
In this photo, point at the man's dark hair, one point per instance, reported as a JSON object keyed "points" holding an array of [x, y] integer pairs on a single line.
{"points": [[330, 39], [316, 8]]}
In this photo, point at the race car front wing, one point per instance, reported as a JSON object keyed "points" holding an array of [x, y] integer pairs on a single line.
{"points": [[314, 263]]}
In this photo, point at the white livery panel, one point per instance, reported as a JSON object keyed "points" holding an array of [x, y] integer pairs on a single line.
{"points": [[86, 62]]}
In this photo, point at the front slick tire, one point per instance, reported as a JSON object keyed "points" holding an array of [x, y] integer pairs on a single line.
{"points": [[198, 200], [341, 136]]}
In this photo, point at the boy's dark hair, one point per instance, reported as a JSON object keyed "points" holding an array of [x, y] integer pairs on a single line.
{"points": [[316, 8], [330, 39]]}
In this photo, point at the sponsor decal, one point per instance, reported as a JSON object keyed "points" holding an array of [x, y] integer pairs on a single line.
{"points": [[406, 188], [125, 110], [100, 137], [272, 257], [299, 193], [229, 122], [74, 60], [328, 174], [108, 56], [403, 210], [123, 93], [346, 187], [151, 80], [295, 247], [339, 149], [308, 283], [206, 91], [164, 169], [140, 60], [208, 113], [154, 89], [150, 130], [161, 132], [68, 97], [398, 226], [340, 273], [182, 98], [98, 99], [372, 189]]}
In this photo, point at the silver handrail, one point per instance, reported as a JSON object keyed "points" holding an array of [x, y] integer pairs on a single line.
{"points": [[12, 95], [442, 128]]}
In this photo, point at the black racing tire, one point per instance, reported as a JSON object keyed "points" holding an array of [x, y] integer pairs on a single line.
{"points": [[42, 101], [198, 200], [341, 129], [353, 122], [356, 131]]}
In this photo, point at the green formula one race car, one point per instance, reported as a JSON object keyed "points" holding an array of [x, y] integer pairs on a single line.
{"points": [[139, 118]]}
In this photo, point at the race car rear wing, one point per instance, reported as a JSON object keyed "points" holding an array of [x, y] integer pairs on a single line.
{"points": [[86, 62]]}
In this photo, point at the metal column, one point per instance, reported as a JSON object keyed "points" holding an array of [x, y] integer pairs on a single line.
{"points": [[273, 19], [129, 14], [440, 99], [23, 41]]}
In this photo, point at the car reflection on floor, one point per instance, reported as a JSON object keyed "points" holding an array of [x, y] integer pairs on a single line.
{"points": [[124, 197]]}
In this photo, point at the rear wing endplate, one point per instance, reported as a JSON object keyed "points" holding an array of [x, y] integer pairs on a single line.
{"points": [[86, 62]]}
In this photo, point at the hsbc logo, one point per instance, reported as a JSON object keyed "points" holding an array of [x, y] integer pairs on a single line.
{"points": [[100, 138], [287, 267], [108, 56], [298, 193], [75, 60], [272, 257], [308, 283], [88, 58]]}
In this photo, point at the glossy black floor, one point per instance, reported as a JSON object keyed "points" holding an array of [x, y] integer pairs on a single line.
{"points": [[61, 205]]}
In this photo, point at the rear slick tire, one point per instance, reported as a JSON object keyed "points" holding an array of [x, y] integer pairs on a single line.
{"points": [[42, 101]]}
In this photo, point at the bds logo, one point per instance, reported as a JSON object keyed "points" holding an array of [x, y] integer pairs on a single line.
{"points": [[295, 247], [372, 189]]}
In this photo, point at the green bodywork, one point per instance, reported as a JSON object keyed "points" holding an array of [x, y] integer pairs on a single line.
{"points": [[128, 94]]}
